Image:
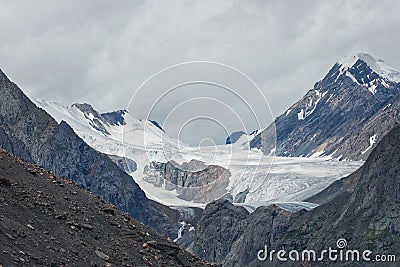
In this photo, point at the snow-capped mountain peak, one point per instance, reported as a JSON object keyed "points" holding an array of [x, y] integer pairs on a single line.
{"points": [[359, 90], [355, 59]]}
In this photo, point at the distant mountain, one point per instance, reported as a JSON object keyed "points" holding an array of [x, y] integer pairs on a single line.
{"points": [[157, 125], [231, 139], [362, 208], [46, 220], [343, 116], [31, 134]]}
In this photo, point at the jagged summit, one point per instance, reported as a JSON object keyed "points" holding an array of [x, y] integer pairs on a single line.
{"points": [[367, 71], [115, 117], [343, 116], [84, 107], [377, 65]]}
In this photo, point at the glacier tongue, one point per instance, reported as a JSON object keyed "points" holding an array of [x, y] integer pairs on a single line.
{"points": [[256, 179]]}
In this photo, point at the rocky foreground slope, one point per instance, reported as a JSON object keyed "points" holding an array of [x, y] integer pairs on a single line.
{"points": [[48, 221]]}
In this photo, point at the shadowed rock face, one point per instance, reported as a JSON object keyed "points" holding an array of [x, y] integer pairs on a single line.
{"points": [[124, 163], [31, 134], [367, 215], [115, 117], [340, 116], [46, 220], [363, 208], [231, 235]]}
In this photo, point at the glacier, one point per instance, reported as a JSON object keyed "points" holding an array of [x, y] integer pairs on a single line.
{"points": [[265, 179]]}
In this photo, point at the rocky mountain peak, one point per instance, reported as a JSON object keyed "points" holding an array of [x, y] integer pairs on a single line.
{"points": [[97, 121], [377, 65], [115, 117], [85, 108], [359, 90], [367, 71], [155, 123]]}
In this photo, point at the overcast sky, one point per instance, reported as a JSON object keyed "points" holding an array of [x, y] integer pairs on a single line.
{"points": [[101, 51]]}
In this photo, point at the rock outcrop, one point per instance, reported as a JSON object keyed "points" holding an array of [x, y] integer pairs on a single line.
{"points": [[192, 180]]}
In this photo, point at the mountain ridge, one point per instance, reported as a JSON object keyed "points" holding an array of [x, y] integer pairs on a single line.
{"points": [[30, 133], [317, 125]]}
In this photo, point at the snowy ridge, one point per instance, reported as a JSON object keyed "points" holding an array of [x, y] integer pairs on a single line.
{"points": [[377, 65]]}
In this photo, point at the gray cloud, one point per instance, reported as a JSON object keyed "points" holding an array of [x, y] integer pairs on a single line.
{"points": [[101, 51]]}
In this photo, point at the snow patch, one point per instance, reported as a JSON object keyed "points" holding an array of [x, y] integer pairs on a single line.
{"points": [[317, 154], [388, 106], [311, 106], [300, 115], [372, 141], [348, 74], [180, 230]]}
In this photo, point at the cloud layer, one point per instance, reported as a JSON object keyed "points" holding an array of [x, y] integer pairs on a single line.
{"points": [[101, 51]]}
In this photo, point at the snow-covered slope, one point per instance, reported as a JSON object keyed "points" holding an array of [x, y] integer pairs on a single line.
{"points": [[256, 178], [115, 133]]}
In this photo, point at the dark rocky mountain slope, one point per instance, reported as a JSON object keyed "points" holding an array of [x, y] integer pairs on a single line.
{"points": [[367, 215], [46, 220], [363, 208], [344, 115], [31, 134], [232, 236]]}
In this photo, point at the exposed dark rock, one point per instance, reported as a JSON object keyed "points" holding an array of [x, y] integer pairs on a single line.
{"points": [[95, 118], [367, 216], [157, 125], [124, 163], [229, 234], [362, 208], [234, 137], [115, 117]]}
